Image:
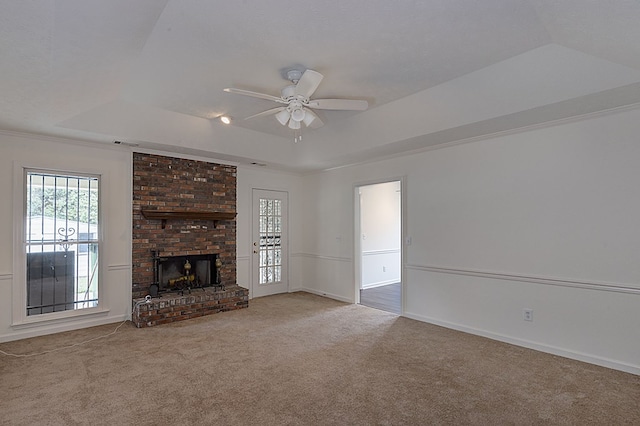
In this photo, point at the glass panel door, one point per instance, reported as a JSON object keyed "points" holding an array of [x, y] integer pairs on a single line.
{"points": [[269, 243]]}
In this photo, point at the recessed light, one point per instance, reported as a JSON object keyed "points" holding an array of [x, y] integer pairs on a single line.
{"points": [[225, 119]]}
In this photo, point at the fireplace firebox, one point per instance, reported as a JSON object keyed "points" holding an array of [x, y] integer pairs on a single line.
{"points": [[184, 273]]}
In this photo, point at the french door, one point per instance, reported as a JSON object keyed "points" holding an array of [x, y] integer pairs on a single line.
{"points": [[270, 243]]}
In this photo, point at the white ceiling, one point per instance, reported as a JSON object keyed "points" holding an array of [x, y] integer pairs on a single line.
{"points": [[151, 72]]}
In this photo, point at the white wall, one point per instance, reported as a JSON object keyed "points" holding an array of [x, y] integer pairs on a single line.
{"points": [[114, 166], [544, 219], [380, 234]]}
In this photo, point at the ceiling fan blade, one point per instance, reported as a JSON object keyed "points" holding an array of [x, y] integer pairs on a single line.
{"points": [[339, 104], [255, 95], [311, 119], [267, 112], [308, 83]]}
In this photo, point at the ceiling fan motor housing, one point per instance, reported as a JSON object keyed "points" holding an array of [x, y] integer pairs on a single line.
{"points": [[288, 92], [295, 103]]}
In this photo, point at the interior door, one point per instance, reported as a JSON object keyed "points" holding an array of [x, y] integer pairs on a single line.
{"points": [[269, 246]]}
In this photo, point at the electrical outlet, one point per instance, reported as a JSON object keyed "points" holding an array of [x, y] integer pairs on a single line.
{"points": [[384, 269], [527, 314]]}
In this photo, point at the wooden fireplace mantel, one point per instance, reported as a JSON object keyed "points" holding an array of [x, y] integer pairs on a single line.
{"points": [[165, 215]]}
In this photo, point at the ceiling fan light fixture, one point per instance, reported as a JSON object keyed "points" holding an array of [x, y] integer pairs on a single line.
{"points": [[295, 125], [297, 114], [283, 116]]}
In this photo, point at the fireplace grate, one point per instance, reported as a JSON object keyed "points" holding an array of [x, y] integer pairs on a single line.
{"points": [[184, 273]]}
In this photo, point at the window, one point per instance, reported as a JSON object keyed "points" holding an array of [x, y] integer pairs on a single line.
{"points": [[61, 242], [270, 217]]}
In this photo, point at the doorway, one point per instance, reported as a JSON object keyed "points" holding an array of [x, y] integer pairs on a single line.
{"points": [[379, 248], [270, 243]]}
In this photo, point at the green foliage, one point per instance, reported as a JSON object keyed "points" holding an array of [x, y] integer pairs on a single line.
{"points": [[72, 204]]}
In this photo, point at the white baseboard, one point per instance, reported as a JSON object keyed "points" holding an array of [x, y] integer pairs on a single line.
{"points": [[329, 295], [61, 327], [591, 359]]}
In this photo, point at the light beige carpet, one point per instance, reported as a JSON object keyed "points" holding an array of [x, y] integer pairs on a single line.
{"points": [[301, 359]]}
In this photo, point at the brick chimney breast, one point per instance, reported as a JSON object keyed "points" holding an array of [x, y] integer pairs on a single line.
{"points": [[175, 184]]}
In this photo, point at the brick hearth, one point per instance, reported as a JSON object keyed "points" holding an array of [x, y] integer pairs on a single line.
{"points": [[177, 307]]}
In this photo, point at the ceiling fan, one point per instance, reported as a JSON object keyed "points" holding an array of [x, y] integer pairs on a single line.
{"points": [[297, 107]]}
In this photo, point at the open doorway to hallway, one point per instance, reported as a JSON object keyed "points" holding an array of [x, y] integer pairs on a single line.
{"points": [[379, 225]]}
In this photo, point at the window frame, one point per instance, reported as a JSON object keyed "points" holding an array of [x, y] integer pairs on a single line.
{"points": [[19, 293]]}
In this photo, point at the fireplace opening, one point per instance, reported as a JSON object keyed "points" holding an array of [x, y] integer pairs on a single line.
{"points": [[184, 273]]}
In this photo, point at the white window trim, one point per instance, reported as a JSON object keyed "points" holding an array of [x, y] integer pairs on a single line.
{"points": [[19, 315]]}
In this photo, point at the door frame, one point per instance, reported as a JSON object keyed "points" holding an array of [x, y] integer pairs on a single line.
{"points": [[357, 232], [254, 261]]}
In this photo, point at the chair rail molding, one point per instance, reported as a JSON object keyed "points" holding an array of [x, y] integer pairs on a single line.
{"points": [[322, 257], [562, 282]]}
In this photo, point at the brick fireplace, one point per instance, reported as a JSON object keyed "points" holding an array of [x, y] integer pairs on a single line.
{"points": [[183, 208]]}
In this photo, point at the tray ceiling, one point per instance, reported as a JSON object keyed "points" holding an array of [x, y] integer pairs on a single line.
{"points": [[151, 72]]}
